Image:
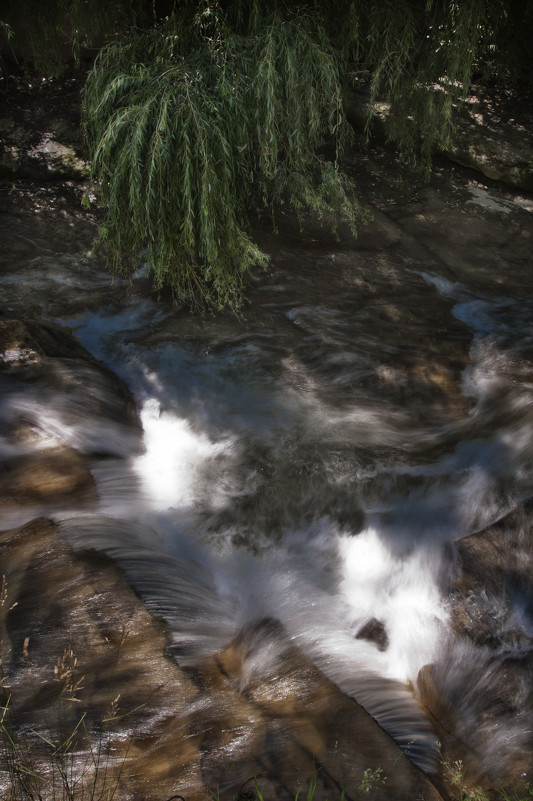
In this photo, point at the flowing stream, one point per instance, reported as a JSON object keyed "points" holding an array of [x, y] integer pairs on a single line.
{"points": [[314, 461]]}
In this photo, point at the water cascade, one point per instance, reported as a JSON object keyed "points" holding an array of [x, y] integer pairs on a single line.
{"points": [[314, 463]]}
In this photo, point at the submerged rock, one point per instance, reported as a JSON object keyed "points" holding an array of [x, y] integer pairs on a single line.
{"points": [[374, 631]]}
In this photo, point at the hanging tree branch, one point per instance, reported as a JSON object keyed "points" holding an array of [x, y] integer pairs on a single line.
{"points": [[189, 132]]}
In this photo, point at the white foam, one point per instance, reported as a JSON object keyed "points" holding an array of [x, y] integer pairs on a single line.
{"points": [[174, 456], [399, 590]]}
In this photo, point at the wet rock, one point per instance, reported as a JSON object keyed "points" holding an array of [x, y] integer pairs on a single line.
{"points": [[493, 594], [25, 342], [57, 475], [16, 345], [498, 705], [491, 610], [63, 413], [71, 627], [374, 631], [310, 727], [444, 715], [49, 358]]}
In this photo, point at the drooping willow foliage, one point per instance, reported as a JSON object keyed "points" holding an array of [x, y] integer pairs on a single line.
{"points": [[192, 127], [201, 113], [422, 57], [44, 36]]}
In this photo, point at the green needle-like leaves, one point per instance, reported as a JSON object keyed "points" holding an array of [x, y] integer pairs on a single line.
{"points": [[192, 128]]}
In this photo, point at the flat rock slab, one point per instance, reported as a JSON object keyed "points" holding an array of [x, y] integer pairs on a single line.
{"points": [[494, 135]]}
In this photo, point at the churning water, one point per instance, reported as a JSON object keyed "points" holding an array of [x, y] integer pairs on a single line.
{"points": [[287, 469], [264, 494]]}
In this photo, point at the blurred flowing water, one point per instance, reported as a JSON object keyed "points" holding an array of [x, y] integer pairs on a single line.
{"points": [[313, 461]]}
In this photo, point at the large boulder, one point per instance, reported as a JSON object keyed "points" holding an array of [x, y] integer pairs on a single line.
{"points": [[83, 659]]}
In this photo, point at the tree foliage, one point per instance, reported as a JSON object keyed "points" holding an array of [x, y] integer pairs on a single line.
{"points": [[422, 58], [193, 126], [200, 113], [47, 35]]}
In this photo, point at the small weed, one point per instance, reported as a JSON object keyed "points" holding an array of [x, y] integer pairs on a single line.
{"points": [[525, 794], [71, 768], [370, 780], [66, 760], [454, 773]]}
